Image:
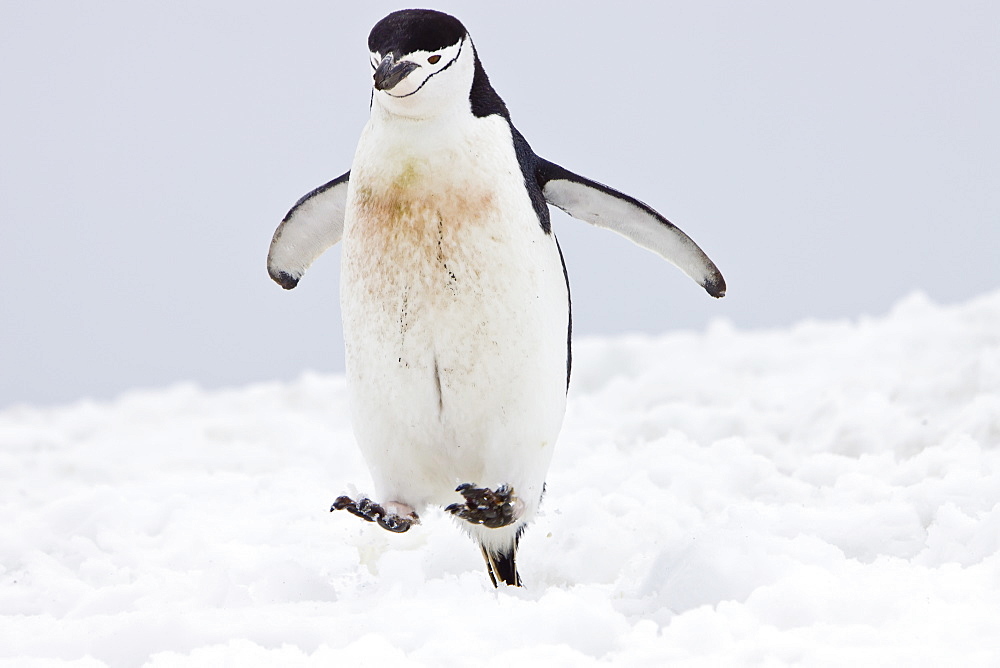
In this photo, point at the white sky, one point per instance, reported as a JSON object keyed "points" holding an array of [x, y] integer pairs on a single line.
{"points": [[829, 159]]}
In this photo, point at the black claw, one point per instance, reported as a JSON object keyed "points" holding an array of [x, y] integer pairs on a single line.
{"points": [[492, 509], [341, 502]]}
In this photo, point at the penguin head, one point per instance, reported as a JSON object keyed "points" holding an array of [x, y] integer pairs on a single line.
{"points": [[423, 63]]}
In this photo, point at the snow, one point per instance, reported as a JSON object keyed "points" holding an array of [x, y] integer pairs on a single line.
{"points": [[821, 495]]}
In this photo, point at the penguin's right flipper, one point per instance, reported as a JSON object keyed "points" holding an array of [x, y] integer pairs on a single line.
{"points": [[315, 223], [606, 207]]}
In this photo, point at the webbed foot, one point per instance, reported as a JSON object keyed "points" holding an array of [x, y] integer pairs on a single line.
{"points": [[493, 509], [370, 511]]}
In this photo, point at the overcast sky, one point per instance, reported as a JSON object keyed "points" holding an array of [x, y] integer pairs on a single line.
{"points": [[830, 158]]}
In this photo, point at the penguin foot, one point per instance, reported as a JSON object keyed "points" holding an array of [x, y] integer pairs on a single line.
{"points": [[493, 509], [368, 510]]}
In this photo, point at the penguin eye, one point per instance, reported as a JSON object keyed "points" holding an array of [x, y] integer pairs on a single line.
{"points": [[433, 59]]}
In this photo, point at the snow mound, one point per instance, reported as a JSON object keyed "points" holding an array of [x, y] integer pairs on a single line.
{"points": [[820, 495]]}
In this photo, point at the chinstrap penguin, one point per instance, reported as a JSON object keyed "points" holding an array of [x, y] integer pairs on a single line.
{"points": [[455, 299]]}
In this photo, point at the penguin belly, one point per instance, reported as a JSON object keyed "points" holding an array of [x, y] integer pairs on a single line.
{"points": [[455, 312]]}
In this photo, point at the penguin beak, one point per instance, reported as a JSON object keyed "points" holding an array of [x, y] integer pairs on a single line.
{"points": [[389, 73]]}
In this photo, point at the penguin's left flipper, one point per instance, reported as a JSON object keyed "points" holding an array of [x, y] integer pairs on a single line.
{"points": [[492, 509], [315, 223], [602, 206]]}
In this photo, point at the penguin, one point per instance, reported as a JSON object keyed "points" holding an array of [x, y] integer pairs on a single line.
{"points": [[454, 293]]}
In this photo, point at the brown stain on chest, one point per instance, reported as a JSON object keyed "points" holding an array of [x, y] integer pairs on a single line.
{"points": [[415, 225], [416, 250]]}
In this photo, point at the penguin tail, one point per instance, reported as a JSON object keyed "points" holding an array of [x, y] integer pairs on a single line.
{"points": [[502, 566]]}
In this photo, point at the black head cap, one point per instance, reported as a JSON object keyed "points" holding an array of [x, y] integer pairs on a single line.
{"points": [[410, 30]]}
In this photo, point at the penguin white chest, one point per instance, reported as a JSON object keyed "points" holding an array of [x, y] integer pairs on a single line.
{"points": [[455, 313]]}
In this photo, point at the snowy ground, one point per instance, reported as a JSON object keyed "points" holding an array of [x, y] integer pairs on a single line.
{"points": [[826, 495]]}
